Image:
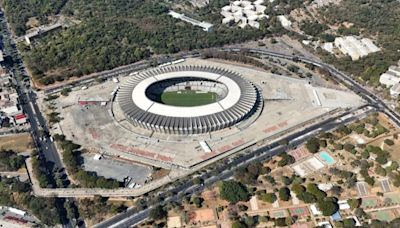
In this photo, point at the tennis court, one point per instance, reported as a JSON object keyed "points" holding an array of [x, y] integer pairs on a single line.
{"points": [[394, 197], [369, 202], [279, 213], [362, 188], [299, 153], [299, 211], [386, 215], [308, 166], [385, 185]]}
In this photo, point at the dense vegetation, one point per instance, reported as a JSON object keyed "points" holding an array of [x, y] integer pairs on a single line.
{"points": [[20, 12], [18, 194], [114, 33], [233, 191], [97, 208], [378, 19], [44, 178], [10, 161]]}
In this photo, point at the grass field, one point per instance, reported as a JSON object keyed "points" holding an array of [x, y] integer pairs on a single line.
{"points": [[17, 143], [188, 98]]}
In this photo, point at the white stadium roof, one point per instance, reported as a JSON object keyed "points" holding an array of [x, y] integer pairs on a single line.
{"points": [[238, 103]]}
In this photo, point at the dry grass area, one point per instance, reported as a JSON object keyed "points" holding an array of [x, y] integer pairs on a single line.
{"points": [[17, 143], [159, 173]]}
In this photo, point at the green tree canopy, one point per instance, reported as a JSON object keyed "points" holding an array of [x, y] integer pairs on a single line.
{"points": [[233, 191]]}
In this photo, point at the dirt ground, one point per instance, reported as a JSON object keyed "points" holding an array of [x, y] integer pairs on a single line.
{"points": [[17, 143]]}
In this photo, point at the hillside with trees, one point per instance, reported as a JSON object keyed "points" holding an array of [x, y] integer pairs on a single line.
{"points": [[114, 33], [379, 20], [22, 10]]}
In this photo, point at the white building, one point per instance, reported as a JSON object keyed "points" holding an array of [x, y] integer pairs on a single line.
{"points": [[315, 210], [395, 90], [391, 78], [9, 103], [328, 47], [286, 23], [244, 13], [205, 25], [355, 47], [343, 205]]}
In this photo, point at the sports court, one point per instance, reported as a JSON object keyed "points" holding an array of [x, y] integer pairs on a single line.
{"points": [[384, 215], [385, 185], [362, 188], [369, 202], [203, 215], [308, 166], [299, 153], [174, 222], [299, 211], [279, 213], [301, 225], [395, 197], [188, 98]]}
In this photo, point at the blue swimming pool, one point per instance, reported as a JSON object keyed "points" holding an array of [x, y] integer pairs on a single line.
{"points": [[326, 158]]}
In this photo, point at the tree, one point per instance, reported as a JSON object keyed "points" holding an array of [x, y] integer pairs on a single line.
{"points": [[312, 145], [360, 213], [286, 159], [284, 194], [322, 143], [349, 147], [328, 207], [197, 180], [198, 201], [280, 222], [65, 91], [71, 209], [233, 191], [349, 222], [307, 197], [238, 224], [286, 180], [298, 189], [380, 171], [313, 189], [250, 221], [389, 142], [158, 213], [354, 203]]}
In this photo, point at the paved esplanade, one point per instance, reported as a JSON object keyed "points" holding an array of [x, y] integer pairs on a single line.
{"points": [[237, 99]]}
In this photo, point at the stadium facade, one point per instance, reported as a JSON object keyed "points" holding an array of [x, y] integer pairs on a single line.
{"points": [[236, 99]]}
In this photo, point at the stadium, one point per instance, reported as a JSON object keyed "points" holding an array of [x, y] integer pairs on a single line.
{"points": [[187, 99]]}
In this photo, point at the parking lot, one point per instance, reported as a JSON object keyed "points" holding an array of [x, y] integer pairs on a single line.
{"points": [[116, 169]]}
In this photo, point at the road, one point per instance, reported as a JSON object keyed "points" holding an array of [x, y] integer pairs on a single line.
{"points": [[369, 96], [133, 216], [48, 150], [27, 99]]}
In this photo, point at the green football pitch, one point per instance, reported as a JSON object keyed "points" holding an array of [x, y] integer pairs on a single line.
{"points": [[188, 98]]}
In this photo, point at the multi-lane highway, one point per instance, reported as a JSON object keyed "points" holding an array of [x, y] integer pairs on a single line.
{"points": [[134, 216], [369, 96], [28, 103]]}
